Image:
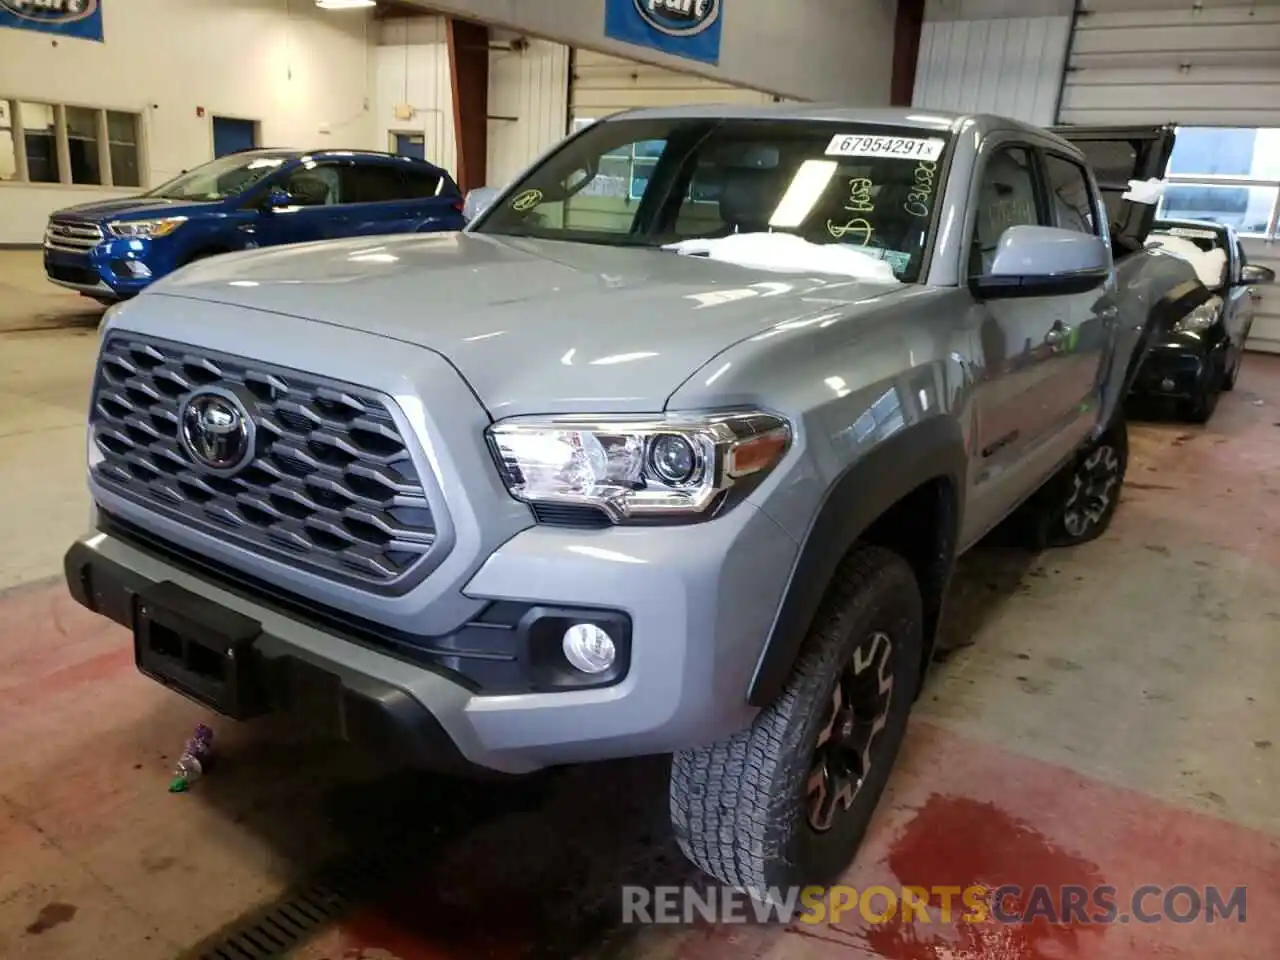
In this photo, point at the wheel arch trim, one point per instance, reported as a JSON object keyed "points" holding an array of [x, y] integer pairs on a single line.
{"points": [[931, 450]]}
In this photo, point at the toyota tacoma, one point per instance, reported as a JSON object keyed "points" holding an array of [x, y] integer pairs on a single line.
{"points": [[670, 451]]}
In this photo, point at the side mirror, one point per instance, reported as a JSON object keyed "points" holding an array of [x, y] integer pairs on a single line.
{"points": [[477, 201], [276, 197], [1252, 273], [1035, 261]]}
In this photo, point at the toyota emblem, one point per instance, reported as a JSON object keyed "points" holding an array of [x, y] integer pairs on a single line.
{"points": [[217, 431]]}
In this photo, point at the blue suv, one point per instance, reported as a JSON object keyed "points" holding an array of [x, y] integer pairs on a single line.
{"points": [[258, 198]]}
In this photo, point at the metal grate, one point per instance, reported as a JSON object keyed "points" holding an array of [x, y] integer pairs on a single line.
{"points": [[67, 274], [72, 237], [331, 486]]}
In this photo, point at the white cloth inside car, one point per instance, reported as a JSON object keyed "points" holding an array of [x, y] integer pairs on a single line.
{"points": [[1210, 265]]}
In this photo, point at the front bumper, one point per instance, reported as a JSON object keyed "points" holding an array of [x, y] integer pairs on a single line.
{"points": [[690, 622], [1175, 368], [115, 269], [330, 697]]}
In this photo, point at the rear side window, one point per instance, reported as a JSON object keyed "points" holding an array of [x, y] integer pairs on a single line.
{"points": [[1069, 195], [421, 183], [319, 185], [376, 183]]}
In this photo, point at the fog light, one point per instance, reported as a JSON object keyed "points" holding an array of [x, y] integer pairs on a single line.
{"points": [[589, 648], [1167, 384]]}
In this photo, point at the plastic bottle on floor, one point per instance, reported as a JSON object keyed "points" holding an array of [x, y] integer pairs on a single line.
{"points": [[194, 761]]}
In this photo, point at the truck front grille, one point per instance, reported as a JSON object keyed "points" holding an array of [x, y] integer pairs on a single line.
{"points": [[331, 486], [72, 237]]}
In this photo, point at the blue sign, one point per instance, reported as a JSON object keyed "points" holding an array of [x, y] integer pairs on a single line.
{"points": [[682, 28], [67, 18]]}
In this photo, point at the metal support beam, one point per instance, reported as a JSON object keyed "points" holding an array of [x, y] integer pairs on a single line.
{"points": [[907, 27], [469, 76]]}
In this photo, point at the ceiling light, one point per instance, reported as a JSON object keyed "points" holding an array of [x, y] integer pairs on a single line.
{"points": [[344, 4]]}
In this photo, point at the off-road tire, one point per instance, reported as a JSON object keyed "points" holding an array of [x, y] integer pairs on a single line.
{"points": [[739, 807], [1051, 517]]}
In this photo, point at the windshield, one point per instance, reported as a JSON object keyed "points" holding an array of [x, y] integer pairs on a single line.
{"points": [[221, 178], [656, 182]]}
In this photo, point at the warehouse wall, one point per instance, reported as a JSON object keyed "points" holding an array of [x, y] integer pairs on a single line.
{"points": [[808, 49], [528, 103], [528, 94], [993, 56], [303, 74], [412, 69]]}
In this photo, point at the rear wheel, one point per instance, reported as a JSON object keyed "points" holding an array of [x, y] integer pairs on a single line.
{"points": [[1077, 504], [787, 801]]}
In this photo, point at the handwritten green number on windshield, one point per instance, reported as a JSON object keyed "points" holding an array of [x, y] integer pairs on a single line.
{"points": [[917, 202]]}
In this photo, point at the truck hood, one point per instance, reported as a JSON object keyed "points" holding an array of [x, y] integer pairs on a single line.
{"points": [[533, 325], [128, 208]]}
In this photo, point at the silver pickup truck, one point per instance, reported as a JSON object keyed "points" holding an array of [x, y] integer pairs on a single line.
{"points": [[672, 450]]}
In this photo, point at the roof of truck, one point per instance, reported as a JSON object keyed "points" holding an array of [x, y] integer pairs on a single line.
{"points": [[917, 118]]}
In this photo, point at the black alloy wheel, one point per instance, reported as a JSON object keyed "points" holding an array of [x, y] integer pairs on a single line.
{"points": [[846, 751], [1095, 485]]}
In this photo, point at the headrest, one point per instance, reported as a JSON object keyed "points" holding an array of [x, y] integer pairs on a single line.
{"points": [[748, 198]]}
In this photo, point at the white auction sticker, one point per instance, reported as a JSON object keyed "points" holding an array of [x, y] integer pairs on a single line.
{"points": [[1191, 232], [898, 148]]}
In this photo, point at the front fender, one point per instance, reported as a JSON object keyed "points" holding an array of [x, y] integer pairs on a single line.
{"points": [[1155, 290], [927, 451]]}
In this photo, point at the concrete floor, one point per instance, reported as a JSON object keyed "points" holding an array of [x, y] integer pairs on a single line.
{"points": [[1101, 716]]}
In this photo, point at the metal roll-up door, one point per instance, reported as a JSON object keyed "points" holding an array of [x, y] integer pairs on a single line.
{"points": [[1214, 63]]}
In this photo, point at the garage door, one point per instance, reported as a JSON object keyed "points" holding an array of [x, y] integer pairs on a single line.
{"points": [[1214, 63]]}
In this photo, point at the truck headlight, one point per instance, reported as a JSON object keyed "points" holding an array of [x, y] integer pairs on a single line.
{"points": [[1201, 318], [146, 228], [676, 468]]}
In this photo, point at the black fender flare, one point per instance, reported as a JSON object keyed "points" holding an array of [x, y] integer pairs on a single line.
{"points": [[924, 452]]}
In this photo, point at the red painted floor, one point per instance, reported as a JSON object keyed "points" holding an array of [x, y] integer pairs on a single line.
{"points": [[961, 814]]}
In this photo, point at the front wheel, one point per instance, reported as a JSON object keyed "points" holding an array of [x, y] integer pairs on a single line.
{"points": [[1199, 408], [1229, 381], [787, 801]]}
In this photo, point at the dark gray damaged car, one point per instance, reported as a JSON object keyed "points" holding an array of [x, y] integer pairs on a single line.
{"points": [[671, 451]]}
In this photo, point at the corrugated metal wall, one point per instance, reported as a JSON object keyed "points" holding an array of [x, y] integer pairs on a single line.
{"points": [[528, 94], [528, 104], [975, 56], [602, 85], [1204, 63]]}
